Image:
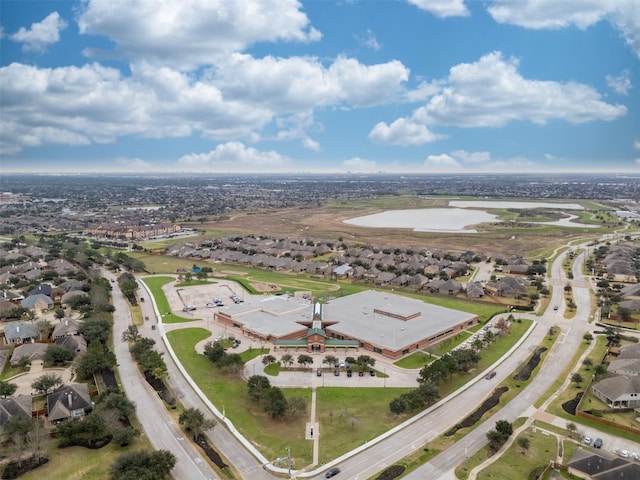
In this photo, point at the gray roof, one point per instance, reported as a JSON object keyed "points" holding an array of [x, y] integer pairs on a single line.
{"points": [[66, 327], [18, 406], [388, 320], [616, 387], [19, 331], [630, 351], [66, 399], [32, 300], [30, 350], [626, 364]]}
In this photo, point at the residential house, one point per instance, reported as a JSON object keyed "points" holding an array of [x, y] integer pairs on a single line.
{"points": [[77, 344], [475, 290], [629, 367], [68, 402], [33, 351], [37, 302], [619, 391], [67, 327], [17, 406], [630, 351], [20, 332]]}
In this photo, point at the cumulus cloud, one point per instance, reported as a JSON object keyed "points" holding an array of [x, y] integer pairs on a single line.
{"points": [[492, 93], [620, 84], [133, 165], [402, 132], [42, 34], [310, 144], [361, 165], [369, 40], [443, 8], [461, 160], [624, 15], [185, 35], [636, 144], [236, 157]]}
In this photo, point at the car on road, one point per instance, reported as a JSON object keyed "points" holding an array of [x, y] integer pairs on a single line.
{"points": [[332, 473], [211, 305], [189, 308], [555, 308], [587, 440], [598, 443], [146, 317], [490, 375]]}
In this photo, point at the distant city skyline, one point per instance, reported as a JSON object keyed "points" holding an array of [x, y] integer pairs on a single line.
{"points": [[287, 86]]}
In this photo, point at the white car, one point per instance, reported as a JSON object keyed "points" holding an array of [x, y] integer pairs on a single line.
{"points": [[587, 440], [624, 453]]}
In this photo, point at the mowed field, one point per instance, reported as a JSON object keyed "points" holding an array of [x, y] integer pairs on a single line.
{"points": [[515, 236]]}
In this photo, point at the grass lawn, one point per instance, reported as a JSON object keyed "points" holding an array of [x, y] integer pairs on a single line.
{"points": [[229, 393], [516, 464], [155, 285], [415, 360], [350, 417], [79, 463]]}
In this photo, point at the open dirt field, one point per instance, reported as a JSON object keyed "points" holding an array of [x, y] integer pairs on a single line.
{"points": [[327, 223]]}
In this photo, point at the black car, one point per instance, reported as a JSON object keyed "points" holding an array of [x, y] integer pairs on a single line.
{"points": [[349, 373], [372, 373], [332, 473], [598, 443]]}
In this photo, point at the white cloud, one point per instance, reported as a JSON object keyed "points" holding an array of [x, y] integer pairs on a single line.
{"points": [[624, 15], [236, 157], [310, 144], [185, 35], [442, 162], [636, 144], [443, 8], [42, 34], [360, 165], [133, 165], [491, 93], [369, 40], [402, 132], [620, 84], [461, 160]]}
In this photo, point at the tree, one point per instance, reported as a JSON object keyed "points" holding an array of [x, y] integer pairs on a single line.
{"points": [[305, 360], [366, 361], [587, 362], [296, 406], [131, 334], [117, 401], [43, 327], [7, 388], [58, 313], [268, 360], [46, 382], [523, 443], [143, 465], [56, 354], [96, 330], [600, 370], [504, 427], [213, 351], [276, 403], [496, 439], [257, 387], [571, 428], [194, 421], [588, 337], [577, 379], [624, 314], [398, 406], [330, 360], [286, 360]]}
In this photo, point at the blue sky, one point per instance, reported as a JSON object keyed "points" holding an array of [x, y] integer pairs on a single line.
{"points": [[397, 86]]}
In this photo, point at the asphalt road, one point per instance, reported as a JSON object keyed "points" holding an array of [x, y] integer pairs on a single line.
{"points": [[369, 459], [157, 424]]}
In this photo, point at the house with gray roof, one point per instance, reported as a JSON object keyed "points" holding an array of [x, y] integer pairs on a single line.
{"points": [[33, 351], [77, 344], [16, 406], [39, 301], [619, 391], [629, 351], [20, 332], [67, 327], [625, 366], [68, 402]]}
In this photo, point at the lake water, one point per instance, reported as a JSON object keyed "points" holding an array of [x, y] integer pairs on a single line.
{"points": [[458, 220]]}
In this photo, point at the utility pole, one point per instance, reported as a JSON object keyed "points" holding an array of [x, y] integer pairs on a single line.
{"points": [[289, 459]]}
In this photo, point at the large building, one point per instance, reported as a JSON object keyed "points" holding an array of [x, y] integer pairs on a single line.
{"points": [[381, 322]]}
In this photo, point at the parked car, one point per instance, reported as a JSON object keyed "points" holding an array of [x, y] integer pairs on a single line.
{"points": [[372, 373], [211, 305], [361, 373], [142, 299], [598, 443], [319, 372], [587, 440], [189, 308], [153, 327], [336, 372], [349, 373], [332, 473], [624, 453]]}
